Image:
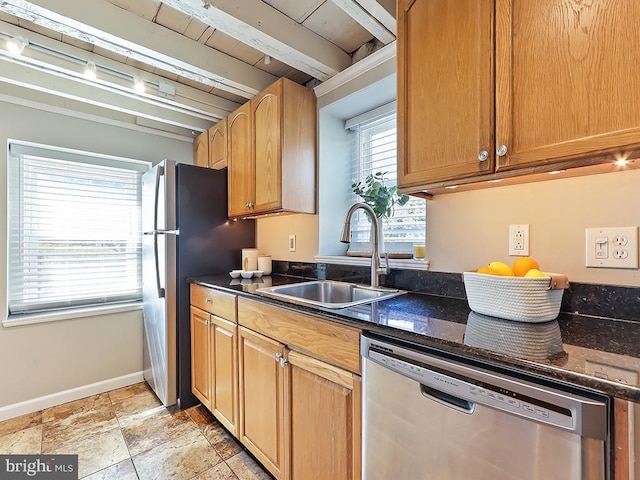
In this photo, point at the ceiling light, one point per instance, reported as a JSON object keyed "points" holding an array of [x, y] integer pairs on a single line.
{"points": [[90, 70], [138, 84], [267, 59], [16, 45]]}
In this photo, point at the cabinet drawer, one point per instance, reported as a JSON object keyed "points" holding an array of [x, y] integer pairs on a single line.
{"points": [[337, 344], [213, 301]]}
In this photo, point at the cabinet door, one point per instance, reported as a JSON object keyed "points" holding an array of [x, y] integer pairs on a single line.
{"points": [[567, 84], [325, 425], [201, 150], [267, 117], [262, 399], [200, 359], [218, 145], [224, 353], [445, 90], [240, 162]]}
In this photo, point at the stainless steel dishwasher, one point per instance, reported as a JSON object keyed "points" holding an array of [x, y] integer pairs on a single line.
{"points": [[429, 417]]}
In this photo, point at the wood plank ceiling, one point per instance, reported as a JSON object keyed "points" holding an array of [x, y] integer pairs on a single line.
{"points": [[223, 51]]}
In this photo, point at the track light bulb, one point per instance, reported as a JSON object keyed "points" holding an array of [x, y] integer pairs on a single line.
{"points": [[16, 45], [138, 84], [267, 59], [90, 70]]}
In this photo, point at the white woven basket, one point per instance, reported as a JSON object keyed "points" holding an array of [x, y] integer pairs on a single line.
{"points": [[523, 299]]}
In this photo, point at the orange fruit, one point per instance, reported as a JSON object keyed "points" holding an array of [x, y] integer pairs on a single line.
{"points": [[487, 271], [501, 268], [534, 272], [523, 264]]}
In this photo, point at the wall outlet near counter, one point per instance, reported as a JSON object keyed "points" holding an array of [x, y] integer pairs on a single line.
{"points": [[612, 247], [519, 240]]}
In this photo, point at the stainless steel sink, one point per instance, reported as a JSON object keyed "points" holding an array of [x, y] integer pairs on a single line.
{"points": [[329, 294]]}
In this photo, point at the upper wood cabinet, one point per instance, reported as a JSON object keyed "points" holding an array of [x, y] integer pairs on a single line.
{"points": [[241, 173], [445, 94], [218, 145], [557, 74], [276, 171], [201, 150]]}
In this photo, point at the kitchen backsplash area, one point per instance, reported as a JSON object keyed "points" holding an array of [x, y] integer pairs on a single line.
{"points": [[608, 301]]}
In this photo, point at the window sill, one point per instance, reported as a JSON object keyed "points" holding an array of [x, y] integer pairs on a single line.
{"points": [[398, 263], [29, 319]]}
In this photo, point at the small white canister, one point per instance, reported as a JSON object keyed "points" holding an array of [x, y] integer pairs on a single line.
{"points": [[264, 264], [249, 259]]}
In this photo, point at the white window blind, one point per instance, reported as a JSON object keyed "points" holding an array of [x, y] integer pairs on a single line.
{"points": [[74, 230], [375, 150]]}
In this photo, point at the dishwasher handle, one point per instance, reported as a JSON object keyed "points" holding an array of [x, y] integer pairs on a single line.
{"points": [[448, 400]]}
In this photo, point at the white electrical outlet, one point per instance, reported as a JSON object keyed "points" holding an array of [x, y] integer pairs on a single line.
{"points": [[613, 247], [292, 243], [519, 240]]}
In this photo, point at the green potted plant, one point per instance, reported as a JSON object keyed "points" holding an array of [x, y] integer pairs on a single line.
{"points": [[381, 198], [377, 195]]}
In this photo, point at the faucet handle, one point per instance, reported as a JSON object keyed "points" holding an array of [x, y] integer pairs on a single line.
{"points": [[386, 264]]}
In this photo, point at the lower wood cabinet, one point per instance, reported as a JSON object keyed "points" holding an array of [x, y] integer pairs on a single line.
{"points": [[286, 384], [224, 366], [262, 399], [214, 365], [324, 430], [200, 356]]}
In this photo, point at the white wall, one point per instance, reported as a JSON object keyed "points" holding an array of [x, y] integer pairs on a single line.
{"points": [[47, 358]]}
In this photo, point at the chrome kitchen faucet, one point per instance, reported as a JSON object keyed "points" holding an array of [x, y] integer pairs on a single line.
{"points": [[376, 268]]}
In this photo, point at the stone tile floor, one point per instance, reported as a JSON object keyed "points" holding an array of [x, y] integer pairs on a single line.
{"points": [[127, 434]]}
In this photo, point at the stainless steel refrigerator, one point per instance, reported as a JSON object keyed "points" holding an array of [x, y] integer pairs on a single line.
{"points": [[186, 234]]}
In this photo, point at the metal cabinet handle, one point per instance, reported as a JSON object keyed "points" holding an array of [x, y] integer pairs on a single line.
{"points": [[207, 300], [501, 151], [483, 156], [281, 360]]}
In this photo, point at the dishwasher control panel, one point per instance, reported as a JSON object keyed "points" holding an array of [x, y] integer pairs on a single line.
{"points": [[507, 397]]}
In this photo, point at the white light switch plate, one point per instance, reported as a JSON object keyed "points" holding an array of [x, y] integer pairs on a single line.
{"points": [[612, 247]]}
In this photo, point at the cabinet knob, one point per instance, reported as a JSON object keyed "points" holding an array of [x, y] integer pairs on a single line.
{"points": [[281, 360], [483, 156], [501, 151]]}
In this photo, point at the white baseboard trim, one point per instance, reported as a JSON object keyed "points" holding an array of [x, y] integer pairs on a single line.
{"points": [[58, 398]]}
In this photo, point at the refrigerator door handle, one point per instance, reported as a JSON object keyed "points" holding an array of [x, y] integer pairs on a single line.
{"points": [[159, 173], [161, 291]]}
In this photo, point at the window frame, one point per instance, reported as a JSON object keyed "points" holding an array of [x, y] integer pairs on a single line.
{"points": [[370, 123], [17, 148]]}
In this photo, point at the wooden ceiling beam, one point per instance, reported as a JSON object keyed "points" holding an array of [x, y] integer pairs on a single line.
{"points": [[264, 28], [365, 19], [108, 26]]}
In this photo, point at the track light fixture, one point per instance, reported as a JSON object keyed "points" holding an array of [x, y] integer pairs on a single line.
{"points": [[90, 70], [16, 45], [267, 59]]}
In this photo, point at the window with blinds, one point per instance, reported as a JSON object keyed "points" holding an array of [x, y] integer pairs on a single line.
{"points": [[74, 230], [375, 150]]}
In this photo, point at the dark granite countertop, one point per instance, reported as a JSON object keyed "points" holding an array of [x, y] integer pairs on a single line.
{"points": [[598, 353]]}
